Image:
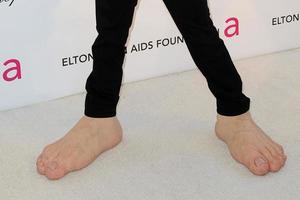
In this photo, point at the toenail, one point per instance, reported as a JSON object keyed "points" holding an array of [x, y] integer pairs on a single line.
{"points": [[260, 161]]}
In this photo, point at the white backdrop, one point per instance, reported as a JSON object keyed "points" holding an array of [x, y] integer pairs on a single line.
{"points": [[45, 46]]}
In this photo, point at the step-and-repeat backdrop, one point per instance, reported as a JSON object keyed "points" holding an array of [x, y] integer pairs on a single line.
{"points": [[45, 46]]}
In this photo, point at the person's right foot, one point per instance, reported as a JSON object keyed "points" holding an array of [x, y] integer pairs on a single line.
{"points": [[80, 146]]}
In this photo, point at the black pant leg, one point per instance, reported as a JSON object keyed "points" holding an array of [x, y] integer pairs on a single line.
{"points": [[113, 20], [209, 54]]}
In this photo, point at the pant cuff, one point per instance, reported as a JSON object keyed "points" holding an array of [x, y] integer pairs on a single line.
{"points": [[95, 107], [233, 107]]}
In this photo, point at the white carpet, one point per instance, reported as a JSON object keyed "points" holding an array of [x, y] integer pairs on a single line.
{"points": [[169, 150]]}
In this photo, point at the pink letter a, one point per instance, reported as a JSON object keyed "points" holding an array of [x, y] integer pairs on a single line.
{"points": [[17, 68], [235, 26]]}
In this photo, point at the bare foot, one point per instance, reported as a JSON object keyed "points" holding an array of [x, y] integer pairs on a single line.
{"points": [[80, 146], [248, 144]]}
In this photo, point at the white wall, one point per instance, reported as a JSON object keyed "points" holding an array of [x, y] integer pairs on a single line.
{"points": [[38, 37]]}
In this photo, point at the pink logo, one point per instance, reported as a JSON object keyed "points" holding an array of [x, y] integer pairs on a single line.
{"points": [[232, 29], [16, 67]]}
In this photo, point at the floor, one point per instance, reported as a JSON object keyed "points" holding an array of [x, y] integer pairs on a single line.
{"points": [[169, 150]]}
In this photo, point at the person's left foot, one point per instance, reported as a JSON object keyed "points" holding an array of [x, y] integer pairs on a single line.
{"points": [[248, 144]]}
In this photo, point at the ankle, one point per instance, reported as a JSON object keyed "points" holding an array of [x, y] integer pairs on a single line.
{"points": [[241, 117], [223, 132]]}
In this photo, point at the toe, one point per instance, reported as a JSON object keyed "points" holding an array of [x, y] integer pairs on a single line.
{"points": [[54, 171], [55, 174], [45, 158], [50, 152], [275, 162], [40, 165], [256, 162], [278, 157], [52, 165], [259, 165], [39, 160], [280, 150]]}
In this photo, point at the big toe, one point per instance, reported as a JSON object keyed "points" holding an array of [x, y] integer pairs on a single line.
{"points": [[54, 170], [259, 165]]}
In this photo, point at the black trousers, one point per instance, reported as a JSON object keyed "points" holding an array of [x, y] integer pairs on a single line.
{"points": [[208, 51]]}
